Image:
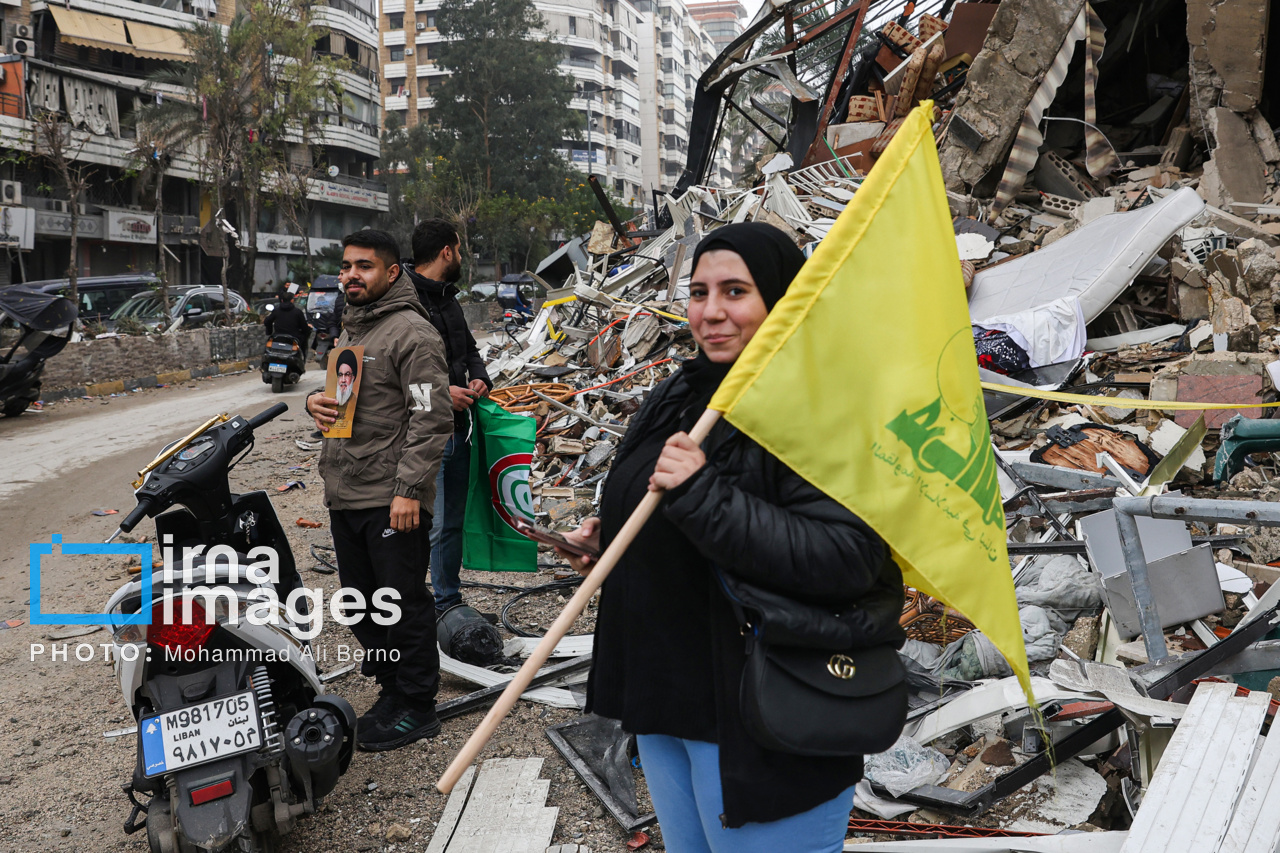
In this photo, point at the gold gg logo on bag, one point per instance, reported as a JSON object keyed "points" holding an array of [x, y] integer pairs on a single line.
{"points": [[841, 666]]}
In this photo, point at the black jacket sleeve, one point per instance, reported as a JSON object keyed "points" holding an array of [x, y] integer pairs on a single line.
{"points": [[269, 322], [475, 364], [805, 545]]}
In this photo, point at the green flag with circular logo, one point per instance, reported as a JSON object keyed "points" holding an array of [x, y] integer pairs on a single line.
{"points": [[502, 446]]}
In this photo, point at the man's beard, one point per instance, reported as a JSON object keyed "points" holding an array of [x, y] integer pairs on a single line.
{"points": [[454, 272], [344, 394]]}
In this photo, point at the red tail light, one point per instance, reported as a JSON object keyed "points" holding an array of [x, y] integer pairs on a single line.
{"points": [[216, 791], [178, 635]]}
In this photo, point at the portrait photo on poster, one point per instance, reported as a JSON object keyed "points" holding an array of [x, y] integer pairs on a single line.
{"points": [[342, 382]]}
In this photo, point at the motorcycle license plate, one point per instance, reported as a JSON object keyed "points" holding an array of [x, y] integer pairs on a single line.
{"points": [[200, 733], [277, 368]]}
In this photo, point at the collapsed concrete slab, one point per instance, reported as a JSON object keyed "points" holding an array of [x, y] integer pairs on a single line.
{"points": [[1228, 40], [1022, 42]]}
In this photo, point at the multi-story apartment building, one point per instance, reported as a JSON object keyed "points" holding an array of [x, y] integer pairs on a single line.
{"points": [[602, 39], [90, 60], [722, 20], [675, 51]]}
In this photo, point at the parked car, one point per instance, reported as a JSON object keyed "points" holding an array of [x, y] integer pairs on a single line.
{"points": [[100, 295], [481, 291], [196, 304]]}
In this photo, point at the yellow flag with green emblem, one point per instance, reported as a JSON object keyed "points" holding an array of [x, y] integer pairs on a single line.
{"points": [[864, 381]]}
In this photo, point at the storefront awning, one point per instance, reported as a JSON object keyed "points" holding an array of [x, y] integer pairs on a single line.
{"points": [[89, 30], [158, 42], [107, 33]]}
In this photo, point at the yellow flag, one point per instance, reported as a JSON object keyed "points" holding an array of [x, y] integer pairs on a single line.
{"points": [[864, 381]]}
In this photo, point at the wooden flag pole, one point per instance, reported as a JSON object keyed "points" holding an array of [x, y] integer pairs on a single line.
{"points": [[520, 683]]}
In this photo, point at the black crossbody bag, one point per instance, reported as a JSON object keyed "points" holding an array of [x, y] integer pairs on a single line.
{"points": [[813, 685]]}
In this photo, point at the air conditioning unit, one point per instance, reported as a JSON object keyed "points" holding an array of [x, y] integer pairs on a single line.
{"points": [[59, 206], [421, 26], [408, 51], [10, 192], [22, 47], [23, 31], [201, 12]]}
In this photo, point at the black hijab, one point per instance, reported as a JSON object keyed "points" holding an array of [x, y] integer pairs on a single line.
{"points": [[769, 254]]}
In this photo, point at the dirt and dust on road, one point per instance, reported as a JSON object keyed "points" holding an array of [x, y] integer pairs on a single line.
{"points": [[60, 777]]}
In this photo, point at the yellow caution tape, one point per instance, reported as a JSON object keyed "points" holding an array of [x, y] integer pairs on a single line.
{"points": [[1120, 402]]}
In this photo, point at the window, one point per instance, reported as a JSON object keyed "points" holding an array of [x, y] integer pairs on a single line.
{"points": [[669, 116], [431, 20], [395, 22], [573, 25], [397, 54]]}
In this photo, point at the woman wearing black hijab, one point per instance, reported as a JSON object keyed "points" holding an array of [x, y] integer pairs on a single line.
{"points": [[668, 655]]}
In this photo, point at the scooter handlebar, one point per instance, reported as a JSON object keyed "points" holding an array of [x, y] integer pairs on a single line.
{"points": [[267, 415], [141, 511]]}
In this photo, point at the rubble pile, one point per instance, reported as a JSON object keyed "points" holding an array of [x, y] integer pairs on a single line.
{"points": [[1116, 202]]}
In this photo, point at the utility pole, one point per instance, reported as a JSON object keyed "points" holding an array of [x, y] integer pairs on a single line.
{"points": [[589, 90]]}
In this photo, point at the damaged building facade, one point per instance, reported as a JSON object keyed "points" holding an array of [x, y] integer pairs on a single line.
{"points": [[89, 62]]}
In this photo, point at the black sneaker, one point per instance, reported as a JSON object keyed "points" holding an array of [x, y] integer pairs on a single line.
{"points": [[400, 726], [386, 701]]}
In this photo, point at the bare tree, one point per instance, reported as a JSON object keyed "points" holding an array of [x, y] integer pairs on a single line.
{"points": [[291, 185], [58, 144]]}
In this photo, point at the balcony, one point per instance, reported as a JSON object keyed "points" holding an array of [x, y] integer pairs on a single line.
{"points": [[343, 132], [395, 103]]}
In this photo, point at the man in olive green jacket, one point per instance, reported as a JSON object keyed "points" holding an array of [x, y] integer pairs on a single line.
{"points": [[379, 485]]}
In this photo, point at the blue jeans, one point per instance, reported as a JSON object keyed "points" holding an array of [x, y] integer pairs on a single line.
{"points": [[684, 783], [449, 512]]}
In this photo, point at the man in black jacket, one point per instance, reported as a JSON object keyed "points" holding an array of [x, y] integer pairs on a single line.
{"points": [[436, 265], [288, 319]]}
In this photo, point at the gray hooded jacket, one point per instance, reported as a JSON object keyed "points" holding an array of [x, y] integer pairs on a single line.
{"points": [[404, 415]]}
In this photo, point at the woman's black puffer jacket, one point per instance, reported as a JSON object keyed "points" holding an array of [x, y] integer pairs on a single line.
{"points": [[669, 656]]}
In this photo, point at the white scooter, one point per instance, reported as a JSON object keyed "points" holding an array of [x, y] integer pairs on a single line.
{"points": [[236, 737]]}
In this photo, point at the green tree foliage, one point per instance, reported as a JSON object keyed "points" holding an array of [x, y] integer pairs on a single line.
{"points": [[503, 113], [489, 160], [514, 230], [255, 94]]}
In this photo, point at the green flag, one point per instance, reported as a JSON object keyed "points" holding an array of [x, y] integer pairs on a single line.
{"points": [[502, 446]]}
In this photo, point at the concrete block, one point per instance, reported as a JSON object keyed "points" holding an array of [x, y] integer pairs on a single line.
{"points": [[1193, 303], [1228, 56], [1058, 176], [1239, 172], [173, 377], [1226, 364], [102, 389], [1094, 208], [233, 366], [1265, 137]]}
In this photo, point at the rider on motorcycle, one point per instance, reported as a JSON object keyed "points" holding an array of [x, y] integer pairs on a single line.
{"points": [[288, 319]]}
